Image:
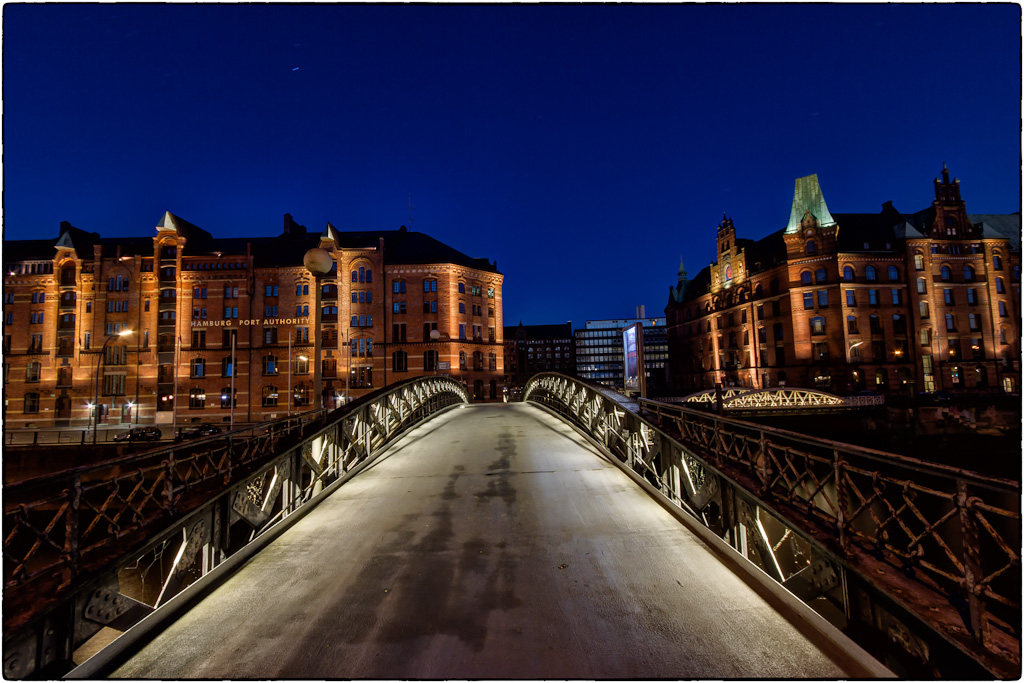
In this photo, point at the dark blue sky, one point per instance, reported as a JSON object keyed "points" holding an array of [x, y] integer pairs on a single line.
{"points": [[586, 148]]}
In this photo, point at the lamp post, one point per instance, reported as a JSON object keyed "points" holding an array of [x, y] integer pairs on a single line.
{"points": [[96, 396], [434, 336], [318, 262]]}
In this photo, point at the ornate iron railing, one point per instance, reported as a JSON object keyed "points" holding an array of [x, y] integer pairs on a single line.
{"points": [[106, 544], [776, 398], [918, 562]]}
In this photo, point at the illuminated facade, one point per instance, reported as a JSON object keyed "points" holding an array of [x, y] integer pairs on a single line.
{"points": [[147, 324], [850, 302]]}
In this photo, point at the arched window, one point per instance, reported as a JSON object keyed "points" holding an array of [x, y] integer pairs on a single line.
{"points": [[300, 395], [851, 325], [1000, 286], [997, 261], [945, 274], [817, 325], [463, 364], [899, 324], [270, 365], [492, 361], [968, 273], [869, 273], [805, 277], [301, 365], [31, 403], [430, 285], [478, 360], [820, 275], [926, 336], [922, 286], [494, 388], [399, 361], [32, 371], [812, 248], [894, 274], [882, 378], [923, 307], [478, 390], [918, 261], [197, 368], [848, 273], [269, 396], [875, 324], [758, 291], [430, 360], [226, 396]]}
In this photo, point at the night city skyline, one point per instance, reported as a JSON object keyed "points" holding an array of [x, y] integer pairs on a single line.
{"points": [[553, 139]]}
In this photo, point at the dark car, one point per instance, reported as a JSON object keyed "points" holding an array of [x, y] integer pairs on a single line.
{"points": [[140, 434], [198, 431]]}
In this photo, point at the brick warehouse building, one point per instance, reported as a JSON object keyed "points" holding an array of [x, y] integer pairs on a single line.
{"points": [[848, 302], [184, 295]]}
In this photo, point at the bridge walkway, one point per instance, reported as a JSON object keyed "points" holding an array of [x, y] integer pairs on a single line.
{"points": [[491, 542]]}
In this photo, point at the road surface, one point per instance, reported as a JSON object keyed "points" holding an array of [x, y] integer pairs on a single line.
{"points": [[491, 542]]}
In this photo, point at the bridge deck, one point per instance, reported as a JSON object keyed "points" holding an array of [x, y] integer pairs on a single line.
{"points": [[491, 542]]}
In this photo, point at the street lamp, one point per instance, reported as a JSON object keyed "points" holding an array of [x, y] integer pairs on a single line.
{"points": [[96, 397], [318, 262]]}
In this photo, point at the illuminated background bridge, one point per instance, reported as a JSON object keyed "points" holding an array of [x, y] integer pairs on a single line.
{"points": [[579, 535]]}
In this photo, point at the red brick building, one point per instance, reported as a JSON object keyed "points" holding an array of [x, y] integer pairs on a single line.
{"points": [[147, 323], [848, 302]]}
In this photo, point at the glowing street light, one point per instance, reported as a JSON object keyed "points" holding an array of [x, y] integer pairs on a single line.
{"points": [[99, 361]]}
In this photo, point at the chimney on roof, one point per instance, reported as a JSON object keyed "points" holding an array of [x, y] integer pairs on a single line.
{"points": [[291, 227]]}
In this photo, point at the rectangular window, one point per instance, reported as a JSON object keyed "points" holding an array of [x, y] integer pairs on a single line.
{"points": [[896, 298], [972, 297], [822, 298], [947, 296], [873, 297], [87, 340], [462, 330]]}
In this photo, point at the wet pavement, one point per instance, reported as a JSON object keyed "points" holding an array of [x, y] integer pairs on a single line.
{"points": [[491, 542]]}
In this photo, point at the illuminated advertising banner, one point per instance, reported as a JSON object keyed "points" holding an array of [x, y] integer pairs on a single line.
{"points": [[634, 378]]}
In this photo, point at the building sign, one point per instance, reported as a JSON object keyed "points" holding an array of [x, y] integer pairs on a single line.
{"points": [[444, 366], [634, 377], [242, 322]]}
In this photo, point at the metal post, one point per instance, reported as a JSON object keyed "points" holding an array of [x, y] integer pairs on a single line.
{"points": [[234, 371], [174, 399], [348, 364], [317, 389], [289, 373]]}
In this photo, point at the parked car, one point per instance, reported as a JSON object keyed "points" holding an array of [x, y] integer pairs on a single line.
{"points": [[198, 431], [140, 434]]}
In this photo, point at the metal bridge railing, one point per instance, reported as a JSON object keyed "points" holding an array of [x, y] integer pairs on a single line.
{"points": [[106, 544], [918, 562]]}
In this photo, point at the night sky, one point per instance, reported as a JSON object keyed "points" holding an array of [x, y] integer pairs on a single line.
{"points": [[586, 148]]}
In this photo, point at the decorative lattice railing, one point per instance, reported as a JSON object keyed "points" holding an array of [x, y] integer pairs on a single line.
{"points": [[920, 562], [106, 544]]}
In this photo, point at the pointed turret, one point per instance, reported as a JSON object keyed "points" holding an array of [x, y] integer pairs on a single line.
{"points": [[808, 201]]}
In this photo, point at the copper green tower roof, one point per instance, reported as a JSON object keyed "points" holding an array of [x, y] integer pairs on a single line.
{"points": [[807, 197]]}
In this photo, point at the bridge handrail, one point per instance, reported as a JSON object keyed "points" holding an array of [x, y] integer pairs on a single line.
{"points": [[940, 530], [667, 410], [64, 532]]}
